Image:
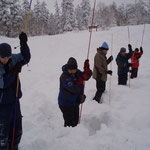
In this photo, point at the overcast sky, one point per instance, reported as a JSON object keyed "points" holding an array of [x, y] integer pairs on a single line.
{"points": [[51, 3]]}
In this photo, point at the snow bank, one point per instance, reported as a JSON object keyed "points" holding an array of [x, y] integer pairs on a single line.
{"points": [[122, 125]]}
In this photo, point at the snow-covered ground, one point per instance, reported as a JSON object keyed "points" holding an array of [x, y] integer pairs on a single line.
{"points": [[124, 124]]}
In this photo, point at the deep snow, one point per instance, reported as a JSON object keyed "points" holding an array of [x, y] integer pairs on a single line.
{"points": [[124, 124]]}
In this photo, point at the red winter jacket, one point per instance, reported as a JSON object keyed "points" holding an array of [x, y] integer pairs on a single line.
{"points": [[135, 59]]}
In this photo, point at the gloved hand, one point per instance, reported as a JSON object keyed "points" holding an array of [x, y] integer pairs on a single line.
{"points": [[86, 65], [129, 47], [23, 37], [109, 72], [129, 65], [141, 49]]}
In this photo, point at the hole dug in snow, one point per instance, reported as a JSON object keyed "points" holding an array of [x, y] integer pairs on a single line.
{"points": [[94, 123]]}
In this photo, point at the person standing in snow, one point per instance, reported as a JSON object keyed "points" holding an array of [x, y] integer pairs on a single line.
{"points": [[123, 65], [135, 62], [100, 70], [10, 66], [71, 90]]}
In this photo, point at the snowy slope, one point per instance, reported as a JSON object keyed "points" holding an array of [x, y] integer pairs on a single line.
{"points": [[122, 125]]}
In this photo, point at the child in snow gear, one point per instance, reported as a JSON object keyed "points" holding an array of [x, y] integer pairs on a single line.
{"points": [[135, 61], [123, 65], [71, 90], [10, 65], [100, 70]]}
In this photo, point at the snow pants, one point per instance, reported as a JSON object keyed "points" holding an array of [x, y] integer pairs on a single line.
{"points": [[122, 79], [70, 115], [101, 86], [6, 126], [134, 73]]}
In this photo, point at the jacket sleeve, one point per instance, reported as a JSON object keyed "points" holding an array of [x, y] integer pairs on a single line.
{"points": [[139, 55], [99, 66], [85, 76], [69, 85], [23, 57], [129, 55], [25, 51]]}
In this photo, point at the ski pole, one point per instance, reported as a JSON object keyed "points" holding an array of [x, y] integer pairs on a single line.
{"points": [[26, 24], [88, 57], [110, 69], [129, 43], [129, 34], [17, 88], [143, 35]]}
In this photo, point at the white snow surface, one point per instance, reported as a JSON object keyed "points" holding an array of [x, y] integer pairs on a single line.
{"points": [[124, 124]]}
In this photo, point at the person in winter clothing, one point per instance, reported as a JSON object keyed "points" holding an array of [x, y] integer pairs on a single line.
{"points": [[123, 65], [100, 70], [10, 66], [135, 62], [71, 90]]}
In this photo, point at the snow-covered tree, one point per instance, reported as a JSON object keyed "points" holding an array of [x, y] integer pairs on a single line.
{"points": [[57, 17], [44, 17], [68, 17], [10, 18], [79, 18], [86, 11], [52, 25]]}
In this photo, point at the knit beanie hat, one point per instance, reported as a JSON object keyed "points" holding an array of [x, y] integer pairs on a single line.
{"points": [[72, 63], [122, 50], [104, 46], [137, 49], [5, 50]]}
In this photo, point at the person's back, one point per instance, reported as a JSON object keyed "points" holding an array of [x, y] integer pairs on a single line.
{"points": [[135, 62], [123, 65]]}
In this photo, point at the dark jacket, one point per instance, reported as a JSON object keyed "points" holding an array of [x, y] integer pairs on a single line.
{"points": [[8, 93], [100, 66], [71, 87], [122, 62]]}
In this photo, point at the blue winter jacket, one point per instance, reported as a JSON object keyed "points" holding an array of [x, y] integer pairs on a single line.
{"points": [[122, 62], [8, 89], [70, 93]]}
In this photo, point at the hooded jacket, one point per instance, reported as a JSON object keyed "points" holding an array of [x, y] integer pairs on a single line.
{"points": [[122, 62], [71, 87], [8, 89]]}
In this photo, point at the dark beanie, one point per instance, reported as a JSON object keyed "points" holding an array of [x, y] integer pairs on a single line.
{"points": [[137, 49], [72, 63], [122, 49], [5, 50]]}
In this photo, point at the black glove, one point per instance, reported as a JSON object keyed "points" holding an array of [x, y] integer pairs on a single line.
{"points": [[141, 49], [109, 72], [23, 37], [110, 59], [17, 68], [129, 65], [129, 47]]}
